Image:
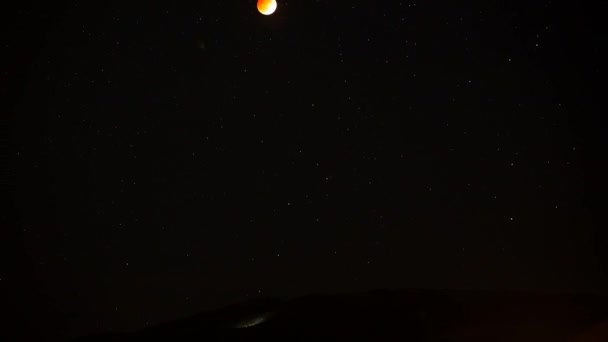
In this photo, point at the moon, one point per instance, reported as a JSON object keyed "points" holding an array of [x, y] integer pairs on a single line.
{"points": [[267, 7]]}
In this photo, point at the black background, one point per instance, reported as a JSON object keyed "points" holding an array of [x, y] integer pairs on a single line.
{"points": [[180, 157]]}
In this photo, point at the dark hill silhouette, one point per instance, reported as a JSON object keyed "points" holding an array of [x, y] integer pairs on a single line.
{"points": [[413, 315]]}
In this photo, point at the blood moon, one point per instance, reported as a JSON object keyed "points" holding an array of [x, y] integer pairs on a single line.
{"points": [[267, 7]]}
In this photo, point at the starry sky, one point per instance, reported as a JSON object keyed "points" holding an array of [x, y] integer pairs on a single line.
{"points": [[180, 157]]}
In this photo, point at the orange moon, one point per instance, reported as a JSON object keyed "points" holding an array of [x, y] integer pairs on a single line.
{"points": [[267, 7]]}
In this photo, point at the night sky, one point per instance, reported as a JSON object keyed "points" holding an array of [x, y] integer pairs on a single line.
{"points": [[173, 158]]}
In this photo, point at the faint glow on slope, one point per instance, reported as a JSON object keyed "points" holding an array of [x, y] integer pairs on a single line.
{"points": [[250, 322]]}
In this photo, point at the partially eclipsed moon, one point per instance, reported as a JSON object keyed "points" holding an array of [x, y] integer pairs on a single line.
{"points": [[267, 7]]}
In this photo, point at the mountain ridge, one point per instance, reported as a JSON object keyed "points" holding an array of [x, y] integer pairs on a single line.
{"points": [[422, 315]]}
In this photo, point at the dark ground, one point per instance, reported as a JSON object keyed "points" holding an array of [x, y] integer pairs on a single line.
{"points": [[393, 315]]}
